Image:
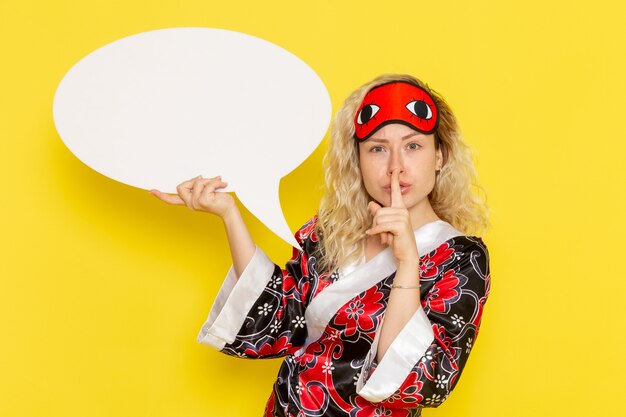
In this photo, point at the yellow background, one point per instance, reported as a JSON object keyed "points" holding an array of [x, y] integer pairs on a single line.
{"points": [[103, 288]]}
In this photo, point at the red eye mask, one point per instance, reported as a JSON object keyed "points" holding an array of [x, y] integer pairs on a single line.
{"points": [[396, 102]]}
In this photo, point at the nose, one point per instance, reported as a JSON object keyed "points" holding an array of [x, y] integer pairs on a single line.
{"points": [[396, 161]]}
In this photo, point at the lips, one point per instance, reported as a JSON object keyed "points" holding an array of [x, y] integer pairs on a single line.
{"points": [[402, 184], [403, 187]]}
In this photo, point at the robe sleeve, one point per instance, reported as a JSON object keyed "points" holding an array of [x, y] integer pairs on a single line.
{"points": [[424, 362], [261, 314]]}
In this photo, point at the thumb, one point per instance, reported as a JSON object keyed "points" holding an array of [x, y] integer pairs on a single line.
{"points": [[168, 198], [373, 207]]}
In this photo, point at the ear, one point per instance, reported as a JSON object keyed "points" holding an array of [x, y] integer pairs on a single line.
{"points": [[439, 160]]}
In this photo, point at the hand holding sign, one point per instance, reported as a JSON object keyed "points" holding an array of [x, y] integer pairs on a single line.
{"points": [[201, 194]]}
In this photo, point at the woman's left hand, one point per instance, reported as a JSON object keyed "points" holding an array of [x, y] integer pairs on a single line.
{"points": [[394, 225]]}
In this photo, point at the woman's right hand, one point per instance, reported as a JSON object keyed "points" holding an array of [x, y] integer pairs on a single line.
{"points": [[199, 194]]}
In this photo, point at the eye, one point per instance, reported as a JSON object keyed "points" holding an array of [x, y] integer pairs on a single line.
{"points": [[414, 146], [367, 113], [420, 109], [377, 149]]}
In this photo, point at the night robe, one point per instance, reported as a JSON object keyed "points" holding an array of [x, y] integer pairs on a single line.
{"points": [[327, 326]]}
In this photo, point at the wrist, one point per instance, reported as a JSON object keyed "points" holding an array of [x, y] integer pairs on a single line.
{"points": [[407, 273], [232, 217], [409, 264]]}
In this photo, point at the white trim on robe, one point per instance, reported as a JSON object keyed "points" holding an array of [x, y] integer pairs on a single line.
{"points": [[235, 299]]}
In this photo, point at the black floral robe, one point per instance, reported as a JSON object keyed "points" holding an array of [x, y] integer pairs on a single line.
{"points": [[327, 326]]}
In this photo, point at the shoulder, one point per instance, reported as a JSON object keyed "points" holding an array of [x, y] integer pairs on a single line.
{"points": [[466, 243], [457, 247], [471, 262], [306, 235], [466, 255], [469, 250], [457, 270]]}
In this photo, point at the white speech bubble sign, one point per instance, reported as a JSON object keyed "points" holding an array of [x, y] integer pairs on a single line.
{"points": [[157, 108]]}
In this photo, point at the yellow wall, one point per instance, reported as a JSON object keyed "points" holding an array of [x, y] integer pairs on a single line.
{"points": [[103, 287]]}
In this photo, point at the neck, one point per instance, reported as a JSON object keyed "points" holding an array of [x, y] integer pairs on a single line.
{"points": [[421, 214]]}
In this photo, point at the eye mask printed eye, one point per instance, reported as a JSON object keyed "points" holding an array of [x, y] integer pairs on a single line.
{"points": [[396, 102]]}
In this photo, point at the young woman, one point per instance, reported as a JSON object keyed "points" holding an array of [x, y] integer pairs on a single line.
{"points": [[378, 311]]}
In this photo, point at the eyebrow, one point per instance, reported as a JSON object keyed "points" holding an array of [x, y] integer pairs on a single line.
{"points": [[410, 135]]}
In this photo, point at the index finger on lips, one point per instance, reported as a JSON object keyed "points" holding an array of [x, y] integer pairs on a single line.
{"points": [[396, 194]]}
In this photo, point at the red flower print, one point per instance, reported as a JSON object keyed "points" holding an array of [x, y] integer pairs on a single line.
{"points": [[445, 292], [444, 341], [359, 313], [429, 264], [281, 345], [355, 308]]}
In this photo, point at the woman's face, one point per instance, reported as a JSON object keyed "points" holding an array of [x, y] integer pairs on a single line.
{"points": [[397, 146]]}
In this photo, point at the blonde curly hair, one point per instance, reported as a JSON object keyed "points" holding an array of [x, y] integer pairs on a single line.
{"points": [[343, 216]]}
